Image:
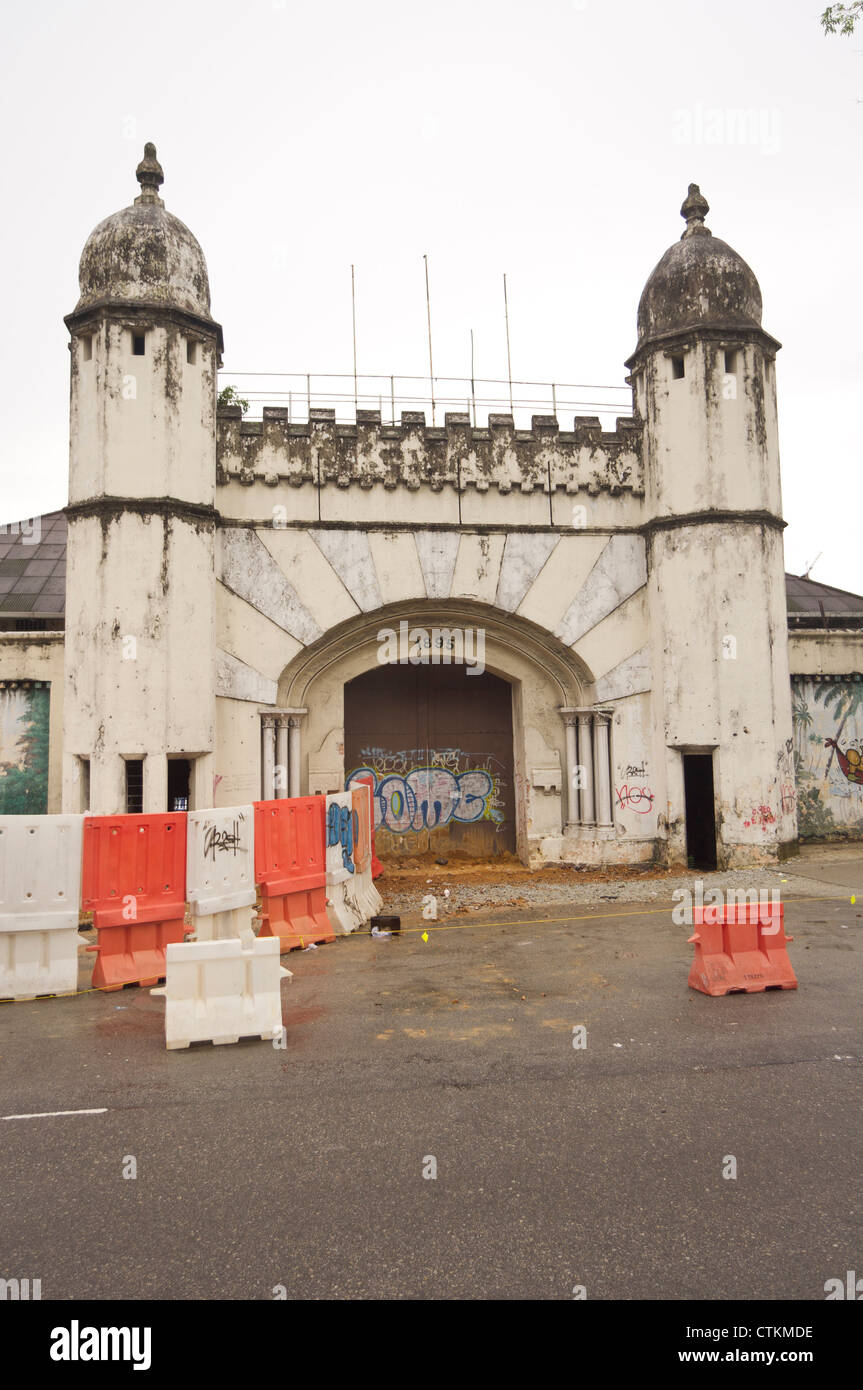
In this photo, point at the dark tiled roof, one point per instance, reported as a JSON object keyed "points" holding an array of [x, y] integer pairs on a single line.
{"points": [[808, 597], [33, 567]]}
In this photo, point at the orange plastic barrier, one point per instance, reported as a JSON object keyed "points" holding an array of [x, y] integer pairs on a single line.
{"points": [[735, 950], [291, 867], [377, 866], [134, 883]]}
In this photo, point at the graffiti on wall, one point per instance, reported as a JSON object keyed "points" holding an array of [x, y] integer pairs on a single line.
{"points": [[634, 798], [422, 789], [342, 830], [828, 755], [23, 750]]}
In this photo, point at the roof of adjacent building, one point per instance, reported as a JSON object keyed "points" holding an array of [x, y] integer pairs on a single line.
{"points": [[33, 567], [33, 580], [809, 598]]}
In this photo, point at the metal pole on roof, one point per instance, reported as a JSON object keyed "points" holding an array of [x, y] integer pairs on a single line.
{"points": [[428, 313], [354, 320], [508, 358]]}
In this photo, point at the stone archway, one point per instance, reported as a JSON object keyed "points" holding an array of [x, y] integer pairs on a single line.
{"points": [[544, 677]]}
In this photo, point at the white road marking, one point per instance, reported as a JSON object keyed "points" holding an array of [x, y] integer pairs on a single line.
{"points": [[51, 1114]]}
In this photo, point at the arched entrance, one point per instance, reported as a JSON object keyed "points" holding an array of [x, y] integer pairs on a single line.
{"points": [[439, 745]]}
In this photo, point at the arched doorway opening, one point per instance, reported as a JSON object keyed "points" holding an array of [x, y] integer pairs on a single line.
{"points": [[439, 746]]}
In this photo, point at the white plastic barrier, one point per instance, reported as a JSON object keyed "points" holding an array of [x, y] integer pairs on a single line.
{"points": [[220, 872], [343, 908], [40, 891], [221, 991]]}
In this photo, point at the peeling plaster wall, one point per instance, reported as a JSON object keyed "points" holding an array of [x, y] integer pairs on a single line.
{"points": [[447, 476]]}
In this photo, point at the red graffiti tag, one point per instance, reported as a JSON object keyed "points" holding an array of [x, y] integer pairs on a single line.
{"points": [[639, 799]]}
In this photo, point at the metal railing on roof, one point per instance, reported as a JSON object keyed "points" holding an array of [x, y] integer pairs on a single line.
{"points": [[478, 397]]}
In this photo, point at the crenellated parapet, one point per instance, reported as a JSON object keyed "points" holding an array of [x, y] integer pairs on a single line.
{"points": [[414, 455]]}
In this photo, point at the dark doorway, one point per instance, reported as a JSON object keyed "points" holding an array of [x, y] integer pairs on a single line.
{"points": [[700, 810], [436, 744], [178, 784]]}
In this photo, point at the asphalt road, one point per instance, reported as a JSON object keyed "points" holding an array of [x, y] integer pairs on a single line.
{"points": [[556, 1167]]}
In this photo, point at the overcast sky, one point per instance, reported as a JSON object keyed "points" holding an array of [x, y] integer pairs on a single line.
{"points": [[553, 141]]}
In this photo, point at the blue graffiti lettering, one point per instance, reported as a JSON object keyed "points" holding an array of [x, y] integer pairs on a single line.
{"points": [[428, 797]]}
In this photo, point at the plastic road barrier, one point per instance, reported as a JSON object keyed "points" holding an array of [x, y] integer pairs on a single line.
{"points": [[220, 872], [221, 991], [741, 948], [290, 866], [377, 866], [40, 889], [345, 911], [134, 882], [367, 895]]}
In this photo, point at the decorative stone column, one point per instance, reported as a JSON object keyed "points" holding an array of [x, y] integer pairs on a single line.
{"points": [[268, 727], [602, 726], [281, 788], [585, 759], [570, 717], [294, 762]]}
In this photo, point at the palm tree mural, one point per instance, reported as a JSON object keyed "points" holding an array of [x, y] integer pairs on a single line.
{"points": [[802, 723], [845, 699]]}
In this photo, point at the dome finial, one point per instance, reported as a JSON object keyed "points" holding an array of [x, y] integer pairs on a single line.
{"points": [[695, 209], [149, 175]]}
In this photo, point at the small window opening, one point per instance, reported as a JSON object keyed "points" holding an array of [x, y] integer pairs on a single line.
{"points": [[678, 368], [88, 348], [84, 765], [139, 344], [134, 786], [179, 770], [731, 362], [191, 351]]}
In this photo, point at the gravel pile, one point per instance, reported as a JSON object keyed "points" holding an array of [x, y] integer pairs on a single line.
{"points": [[456, 898]]}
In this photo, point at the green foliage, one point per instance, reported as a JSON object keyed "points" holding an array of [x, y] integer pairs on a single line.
{"points": [[841, 19], [25, 789], [813, 816], [228, 396]]}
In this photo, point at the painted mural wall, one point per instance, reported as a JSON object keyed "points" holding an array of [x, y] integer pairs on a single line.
{"points": [[828, 755], [24, 748]]}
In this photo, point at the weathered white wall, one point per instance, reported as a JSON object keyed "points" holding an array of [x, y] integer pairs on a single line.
{"points": [[142, 426], [140, 643], [813, 653]]}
